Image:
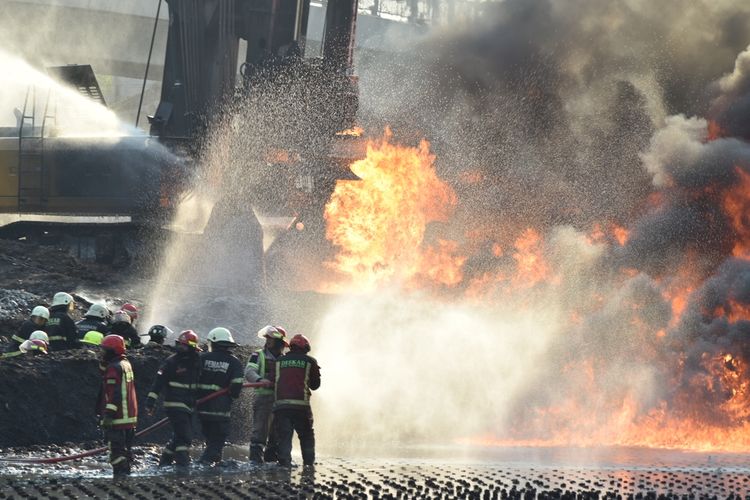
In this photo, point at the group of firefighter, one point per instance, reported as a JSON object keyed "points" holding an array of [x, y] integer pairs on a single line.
{"points": [[190, 381]]}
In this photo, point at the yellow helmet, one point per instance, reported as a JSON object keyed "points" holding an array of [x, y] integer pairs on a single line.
{"points": [[92, 337]]}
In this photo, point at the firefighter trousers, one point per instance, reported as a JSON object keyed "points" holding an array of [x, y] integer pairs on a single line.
{"points": [[287, 421], [263, 437], [178, 449], [120, 442], [215, 432]]}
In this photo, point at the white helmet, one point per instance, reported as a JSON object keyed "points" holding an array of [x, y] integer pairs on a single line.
{"points": [[33, 345], [220, 334], [41, 312], [62, 299], [39, 335], [98, 311], [272, 332], [121, 317]]}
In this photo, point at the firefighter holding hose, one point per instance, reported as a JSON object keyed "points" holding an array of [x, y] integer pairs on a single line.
{"points": [[118, 406], [296, 375], [177, 378], [220, 369], [261, 367]]}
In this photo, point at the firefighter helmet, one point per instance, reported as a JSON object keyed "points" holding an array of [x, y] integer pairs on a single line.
{"points": [[92, 337], [40, 312], [33, 346], [39, 345], [300, 342], [131, 310], [39, 335], [189, 338], [121, 317], [98, 311], [273, 332], [114, 343], [159, 333], [221, 335], [62, 299]]}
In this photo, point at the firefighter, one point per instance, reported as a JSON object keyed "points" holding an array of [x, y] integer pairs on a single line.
{"points": [[60, 327], [219, 370], [157, 334], [118, 406], [36, 322], [37, 343], [261, 367], [177, 379], [121, 326], [92, 339], [96, 318], [296, 375], [132, 312]]}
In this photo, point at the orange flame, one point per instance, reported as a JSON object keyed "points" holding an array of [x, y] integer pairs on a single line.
{"points": [[621, 234], [379, 223], [355, 131], [532, 267], [379, 226], [736, 204], [714, 131]]}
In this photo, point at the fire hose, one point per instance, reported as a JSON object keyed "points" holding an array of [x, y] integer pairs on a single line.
{"points": [[158, 425]]}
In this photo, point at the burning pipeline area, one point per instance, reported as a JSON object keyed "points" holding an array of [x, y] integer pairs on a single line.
{"points": [[547, 244]]}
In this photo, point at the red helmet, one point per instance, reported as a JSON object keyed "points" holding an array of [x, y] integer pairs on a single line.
{"points": [[189, 338], [39, 345], [300, 342], [131, 310], [114, 343]]}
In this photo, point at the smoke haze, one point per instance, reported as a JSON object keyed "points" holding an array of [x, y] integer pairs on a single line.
{"points": [[618, 133]]}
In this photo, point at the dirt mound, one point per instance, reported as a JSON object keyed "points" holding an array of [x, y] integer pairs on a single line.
{"points": [[52, 399]]}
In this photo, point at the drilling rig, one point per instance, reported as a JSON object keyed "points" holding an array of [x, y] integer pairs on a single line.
{"points": [[130, 176], [314, 102]]}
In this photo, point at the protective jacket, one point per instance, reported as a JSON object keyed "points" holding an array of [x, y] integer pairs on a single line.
{"points": [[177, 378], [61, 329], [117, 397], [297, 374], [126, 331], [219, 369], [89, 323], [262, 364], [23, 334]]}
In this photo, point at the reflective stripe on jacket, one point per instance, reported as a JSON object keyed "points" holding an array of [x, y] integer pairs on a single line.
{"points": [[297, 374], [61, 329], [219, 369], [23, 334], [262, 364], [118, 397], [91, 323], [177, 378]]}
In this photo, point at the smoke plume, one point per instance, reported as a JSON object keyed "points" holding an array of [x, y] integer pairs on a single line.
{"points": [[615, 133]]}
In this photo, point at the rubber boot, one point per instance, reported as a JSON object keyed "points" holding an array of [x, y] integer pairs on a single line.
{"points": [[256, 454], [182, 456], [167, 457]]}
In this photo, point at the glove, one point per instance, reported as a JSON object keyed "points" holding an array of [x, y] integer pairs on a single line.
{"points": [[106, 422]]}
